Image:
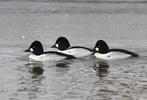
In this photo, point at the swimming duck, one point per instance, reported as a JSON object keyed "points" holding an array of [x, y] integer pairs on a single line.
{"points": [[38, 54], [63, 45], [102, 51]]}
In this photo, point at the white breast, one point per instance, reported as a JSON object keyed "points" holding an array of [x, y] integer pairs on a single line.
{"points": [[112, 55], [47, 57], [77, 52]]}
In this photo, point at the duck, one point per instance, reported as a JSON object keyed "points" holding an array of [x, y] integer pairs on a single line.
{"points": [[102, 51], [63, 45], [38, 54]]}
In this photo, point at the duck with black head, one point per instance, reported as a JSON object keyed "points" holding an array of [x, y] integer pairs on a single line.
{"points": [[63, 45], [38, 54], [102, 51]]}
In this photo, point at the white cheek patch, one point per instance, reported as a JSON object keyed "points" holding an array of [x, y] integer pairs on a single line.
{"points": [[97, 49], [57, 45], [31, 49]]}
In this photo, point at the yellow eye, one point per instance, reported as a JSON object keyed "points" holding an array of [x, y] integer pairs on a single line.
{"points": [[99, 46], [33, 47], [58, 42]]}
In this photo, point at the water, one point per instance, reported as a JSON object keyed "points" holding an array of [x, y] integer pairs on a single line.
{"points": [[120, 25]]}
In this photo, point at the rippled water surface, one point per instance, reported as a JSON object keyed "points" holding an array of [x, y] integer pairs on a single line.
{"points": [[120, 25]]}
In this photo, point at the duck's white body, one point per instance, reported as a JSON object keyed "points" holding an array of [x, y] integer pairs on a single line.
{"points": [[112, 55], [46, 57], [77, 52]]}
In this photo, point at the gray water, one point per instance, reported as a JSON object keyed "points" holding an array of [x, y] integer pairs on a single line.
{"points": [[121, 25]]}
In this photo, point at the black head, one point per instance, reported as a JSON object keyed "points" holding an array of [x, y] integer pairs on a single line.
{"points": [[101, 47], [35, 48], [62, 43]]}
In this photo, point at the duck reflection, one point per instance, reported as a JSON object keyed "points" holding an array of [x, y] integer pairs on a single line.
{"points": [[62, 64], [101, 69], [62, 68], [36, 68], [31, 80]]}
